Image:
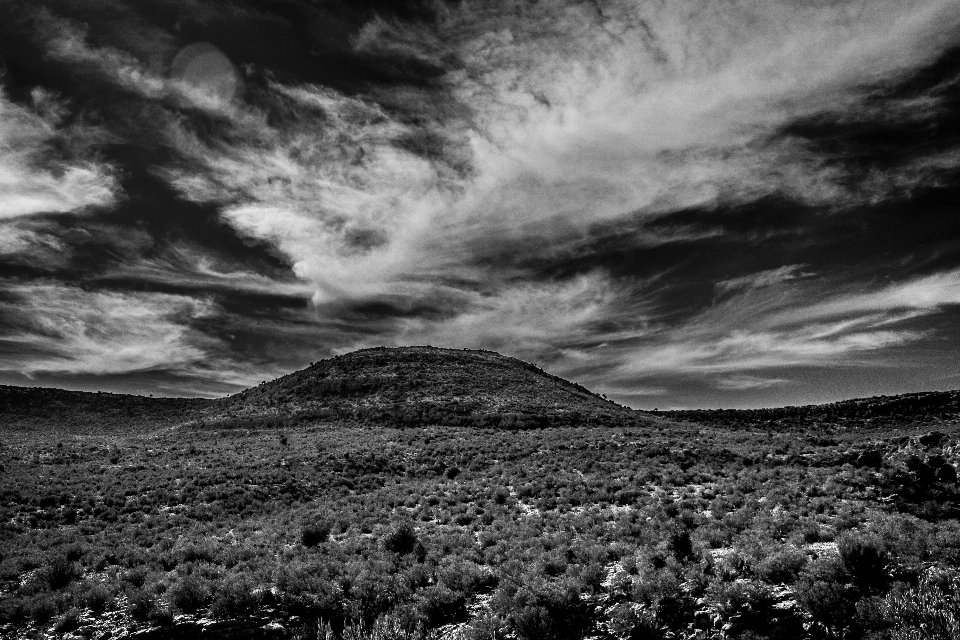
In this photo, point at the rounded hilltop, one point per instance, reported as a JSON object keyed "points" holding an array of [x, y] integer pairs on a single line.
{"points": [[425, 385]]}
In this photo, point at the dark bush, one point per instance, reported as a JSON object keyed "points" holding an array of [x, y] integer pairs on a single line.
{"points": [[680, 544], [60, 573], [315, 533], [236, 597], [204, 552], [97, 597], [871, 458], [401, 539], [190, 594], [141, 604], [42, 608], [549, 611], [830, 604], [69, 621], [865, 560], [947, 473], [783, 566], [439, 605]]}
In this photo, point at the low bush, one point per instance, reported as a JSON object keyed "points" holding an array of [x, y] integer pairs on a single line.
{"points": [[865, 559], [190, 594], [60, 573], [782, 566], [401, 539], [235, 597], [315, 533], [96, 597], [929, 611]]}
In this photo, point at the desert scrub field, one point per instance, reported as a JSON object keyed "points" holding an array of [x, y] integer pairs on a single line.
{"points": [[356, 531]]}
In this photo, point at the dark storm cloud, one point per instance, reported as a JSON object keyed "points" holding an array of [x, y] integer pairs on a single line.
{"points": [[647, 198]]}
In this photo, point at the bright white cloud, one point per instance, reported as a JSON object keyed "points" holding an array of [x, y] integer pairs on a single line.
{"points": [[527, 320], [578, 116], [30, 182], [776, 329], [69, 330]]}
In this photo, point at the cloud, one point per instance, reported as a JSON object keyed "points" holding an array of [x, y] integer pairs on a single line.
{"points": [[760, 329], [33, 179], [763, 278], [747, 382], [573, 118], [31, 245], [69, 330], [184, 267], [529, 320]]}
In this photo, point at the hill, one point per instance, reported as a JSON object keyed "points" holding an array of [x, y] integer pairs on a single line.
{"points": [[408, 386], [420, 386], [40, 409]]}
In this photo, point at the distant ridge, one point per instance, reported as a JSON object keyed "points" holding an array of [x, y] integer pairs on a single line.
{"points": [[424, 385], [38, 408], [909, 409]]}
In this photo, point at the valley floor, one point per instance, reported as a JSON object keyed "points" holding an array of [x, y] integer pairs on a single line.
{"points": [[339, 530]]}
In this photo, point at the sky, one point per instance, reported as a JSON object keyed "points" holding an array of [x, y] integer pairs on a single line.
{"points": [[678, 204]]}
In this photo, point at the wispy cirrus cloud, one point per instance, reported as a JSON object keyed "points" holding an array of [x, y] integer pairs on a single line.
{"points": [[573, 117], [34, 176], [759, 330], [69, 330], [744, 382], [766, 278]]}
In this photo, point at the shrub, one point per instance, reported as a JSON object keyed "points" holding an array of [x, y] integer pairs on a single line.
{"points": [[929, 611], [190, 594], [439, 605], [546, 611], [60, 573], [97, 597], [315, 533], [865, 560], [141, 604], [679, 543], [747, 601], [204, 552], [69, 621], [401, 539], [42, 608], [235, 597], [783, 566], [829, 603]]}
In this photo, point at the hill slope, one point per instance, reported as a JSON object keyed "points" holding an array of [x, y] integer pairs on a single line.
{"points": [[423, 385], [405, 385], [40, 409], [900, 411]]}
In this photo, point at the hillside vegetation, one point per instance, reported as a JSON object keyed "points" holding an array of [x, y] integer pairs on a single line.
{"points": [[47, 411], [423, 386]]}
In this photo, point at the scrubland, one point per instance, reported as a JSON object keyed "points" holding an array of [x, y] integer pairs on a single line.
{"points": [[669, 530]]}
